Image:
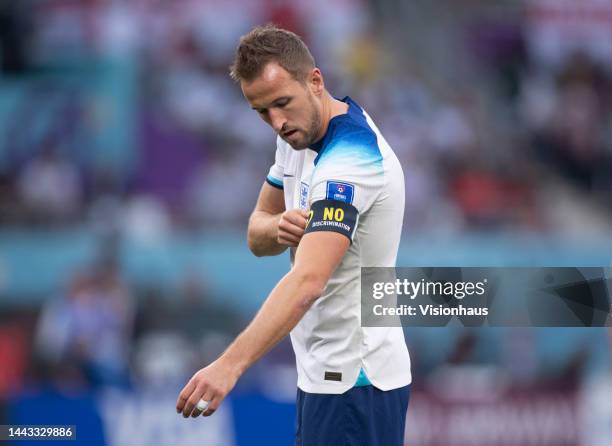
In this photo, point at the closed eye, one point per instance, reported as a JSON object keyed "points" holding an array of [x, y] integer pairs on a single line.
{"points": [[283, 102], [279, 103]]}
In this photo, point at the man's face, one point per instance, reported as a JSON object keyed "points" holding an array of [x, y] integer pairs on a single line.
{"points": [[290, 107]]}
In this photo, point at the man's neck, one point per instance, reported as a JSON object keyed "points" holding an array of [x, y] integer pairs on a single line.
{"points": [[331, 107]]}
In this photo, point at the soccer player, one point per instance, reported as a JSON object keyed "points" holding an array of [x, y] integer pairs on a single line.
{"points": [[335, 197]]}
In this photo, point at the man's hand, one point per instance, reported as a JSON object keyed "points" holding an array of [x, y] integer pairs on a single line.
{"points": [[210, 384], [291, 227]]}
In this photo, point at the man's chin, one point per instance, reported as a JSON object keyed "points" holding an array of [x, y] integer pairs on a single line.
{"points": [[298, 144], [298, 147]]}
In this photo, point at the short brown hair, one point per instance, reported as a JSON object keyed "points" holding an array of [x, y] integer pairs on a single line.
{"points": [[265, 44]]}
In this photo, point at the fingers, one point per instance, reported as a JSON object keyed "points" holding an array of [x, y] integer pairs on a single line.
{"points": [[296, 217], [184, 396], [192, 394], [291, 227], [286, 238], [196, 411], [211, 384], [208, 396], [192, 400], [286, 226], [214, 404]]}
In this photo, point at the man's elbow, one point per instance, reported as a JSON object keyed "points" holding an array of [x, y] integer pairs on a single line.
{"points": [[262, 245], [254, 247], [254, 241], [312, 285]]}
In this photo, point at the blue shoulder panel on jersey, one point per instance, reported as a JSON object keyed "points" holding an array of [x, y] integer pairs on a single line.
{"points": [[349, 136]]}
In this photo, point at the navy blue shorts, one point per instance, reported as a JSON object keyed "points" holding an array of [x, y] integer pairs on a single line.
{"points": [[361, 416]]}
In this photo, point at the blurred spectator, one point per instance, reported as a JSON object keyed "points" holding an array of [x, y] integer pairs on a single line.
{"points": [[90, 327], [144, 218], [14, 352], [50, 189], [14, 33], [194, 311], [573, 137], [224, 190], [9, 205]]}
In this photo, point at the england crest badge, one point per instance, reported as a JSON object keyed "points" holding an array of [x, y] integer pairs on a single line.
{"points": [[303, 195]]}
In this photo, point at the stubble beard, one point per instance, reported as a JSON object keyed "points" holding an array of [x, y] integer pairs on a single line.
{"points": [[313, 129]]}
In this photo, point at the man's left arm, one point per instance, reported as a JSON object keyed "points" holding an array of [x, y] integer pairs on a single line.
{"points": [[317, 257]]}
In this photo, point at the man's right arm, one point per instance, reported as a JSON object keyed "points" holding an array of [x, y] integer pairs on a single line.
{"points": [[271, 228]]}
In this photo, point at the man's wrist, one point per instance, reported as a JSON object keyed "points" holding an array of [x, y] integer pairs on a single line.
{"points": [[233, 364]]}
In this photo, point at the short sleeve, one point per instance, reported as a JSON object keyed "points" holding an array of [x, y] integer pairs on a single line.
{"points": [[346, 181], [275, 174], [350, 173]]}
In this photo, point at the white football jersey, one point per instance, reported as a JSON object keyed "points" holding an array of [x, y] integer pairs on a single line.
{"points": [[353, 184]]}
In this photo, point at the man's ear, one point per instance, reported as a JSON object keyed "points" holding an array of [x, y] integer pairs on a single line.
{"points": [[315, 82]]}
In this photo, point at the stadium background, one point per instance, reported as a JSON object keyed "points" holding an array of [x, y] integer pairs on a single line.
{"points": [[129, 163]]}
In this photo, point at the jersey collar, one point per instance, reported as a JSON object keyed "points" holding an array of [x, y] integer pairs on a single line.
{"points": [[353, 108]]}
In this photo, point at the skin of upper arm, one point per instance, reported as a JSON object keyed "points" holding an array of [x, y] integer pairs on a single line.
{"points": [[271, 200], [317, 257]]}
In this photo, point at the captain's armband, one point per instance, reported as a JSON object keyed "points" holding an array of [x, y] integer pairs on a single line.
{"points": [[332, 215]]}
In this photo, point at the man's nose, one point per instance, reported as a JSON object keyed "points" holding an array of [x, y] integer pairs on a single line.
{"points": [[277, 120]]}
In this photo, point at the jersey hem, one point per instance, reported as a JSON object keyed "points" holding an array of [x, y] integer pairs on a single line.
{"points": [[337, 389]]}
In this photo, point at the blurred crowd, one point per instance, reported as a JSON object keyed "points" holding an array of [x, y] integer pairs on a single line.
{"points": [[478, 150], [500, 142]]}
